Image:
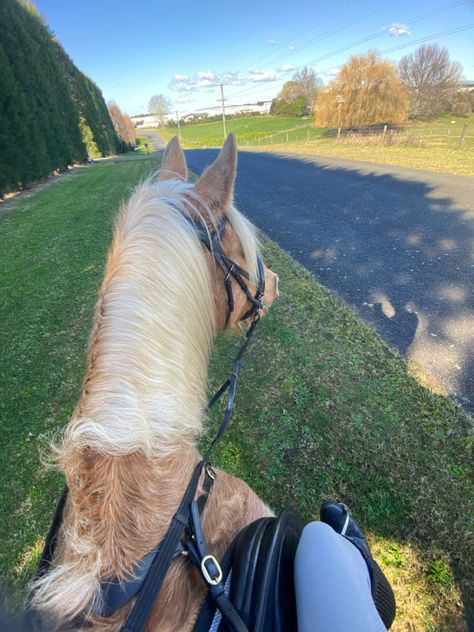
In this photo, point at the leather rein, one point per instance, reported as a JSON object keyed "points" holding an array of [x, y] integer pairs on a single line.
{"points": [[185, 534]]}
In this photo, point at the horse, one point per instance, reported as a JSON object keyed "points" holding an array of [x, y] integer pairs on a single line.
{"points": [[130, 449]]}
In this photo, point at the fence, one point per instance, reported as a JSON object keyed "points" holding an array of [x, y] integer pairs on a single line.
{"points": [[452, 136]]}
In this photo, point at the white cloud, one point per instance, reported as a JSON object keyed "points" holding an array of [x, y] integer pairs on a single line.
{"points": [[204, 80], [208, 74], [271, 41], [291, 47], [399, 28], [260, 76]]}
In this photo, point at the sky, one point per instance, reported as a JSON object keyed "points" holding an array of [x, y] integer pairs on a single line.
{"points": [[133, 50]]}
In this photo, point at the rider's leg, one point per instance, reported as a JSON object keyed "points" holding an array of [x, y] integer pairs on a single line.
{"points": [[333, 584]]}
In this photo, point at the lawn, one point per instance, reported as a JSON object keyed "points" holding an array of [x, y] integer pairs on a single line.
{"points": [[432, 145], [324, 408], [246, 129]]}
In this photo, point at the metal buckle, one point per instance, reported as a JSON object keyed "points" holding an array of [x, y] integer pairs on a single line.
{"points": [[211, 580], [231, 269], [211, 472]]}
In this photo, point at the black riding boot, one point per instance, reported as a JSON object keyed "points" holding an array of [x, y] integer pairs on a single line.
{"points": [[339, 517]]}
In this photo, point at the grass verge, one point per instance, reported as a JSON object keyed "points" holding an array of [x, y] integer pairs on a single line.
{"points": [[440, 159], [324, 408]]}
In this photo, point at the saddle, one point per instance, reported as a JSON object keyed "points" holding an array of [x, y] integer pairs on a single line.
{"points": [[258, 573]]}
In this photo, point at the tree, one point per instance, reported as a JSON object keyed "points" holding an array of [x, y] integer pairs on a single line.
{"points": [[431, 78], [367, 91], [296, 98], [291, 91], [281, 107], [309, 83], [160, 106], [123, 125]]}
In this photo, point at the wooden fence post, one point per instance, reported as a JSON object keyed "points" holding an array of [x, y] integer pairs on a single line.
{"points": [[286, 136], [462, 135], [338, 134], [384, 132]]}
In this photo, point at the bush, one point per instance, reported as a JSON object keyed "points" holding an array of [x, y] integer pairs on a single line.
{"points": [[461, 108]]}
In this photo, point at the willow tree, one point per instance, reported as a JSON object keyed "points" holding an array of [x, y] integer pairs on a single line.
{"points": [[367, 91]]}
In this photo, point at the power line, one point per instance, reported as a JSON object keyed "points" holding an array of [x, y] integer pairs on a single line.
{"points": [[325, 34], [419, 18], [336, 29], [435, 36], [294, 38]]}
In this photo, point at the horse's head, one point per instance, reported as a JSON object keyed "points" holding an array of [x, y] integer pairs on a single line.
{"points": [[212, 196]]}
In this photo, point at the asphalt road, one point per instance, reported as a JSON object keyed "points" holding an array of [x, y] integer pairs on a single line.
{"points": [[396, 244]]}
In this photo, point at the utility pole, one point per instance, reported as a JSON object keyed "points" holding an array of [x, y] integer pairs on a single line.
{"points": [[179, 127], [223, 109]]}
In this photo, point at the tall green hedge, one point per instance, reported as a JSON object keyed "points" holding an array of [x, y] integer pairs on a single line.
{"points": [[42, 97]]}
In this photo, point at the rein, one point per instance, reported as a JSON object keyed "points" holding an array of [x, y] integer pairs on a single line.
{"points": [[147, 577]]}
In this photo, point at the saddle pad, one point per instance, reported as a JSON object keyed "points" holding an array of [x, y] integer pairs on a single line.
{"points": [[262, 590]]}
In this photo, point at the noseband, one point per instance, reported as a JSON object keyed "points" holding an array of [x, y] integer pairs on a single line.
{"points": [[184, 535]]}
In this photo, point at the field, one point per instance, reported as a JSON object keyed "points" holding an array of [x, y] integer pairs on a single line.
{"points": [[246, 129], [324, 408], [433, 145]]}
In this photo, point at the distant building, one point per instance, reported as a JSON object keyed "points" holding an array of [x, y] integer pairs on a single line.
{"points": [[466, 86], [150, 120], [261, 107]]}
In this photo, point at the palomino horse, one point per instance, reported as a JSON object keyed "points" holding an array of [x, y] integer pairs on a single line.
{"points": [[130, 447]]}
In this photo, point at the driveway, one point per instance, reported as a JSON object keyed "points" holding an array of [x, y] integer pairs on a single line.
{"points": [[396, 244], [157, 142]]}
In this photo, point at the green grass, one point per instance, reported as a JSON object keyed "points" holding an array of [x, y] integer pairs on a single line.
{"points": [[245, 128], [324, 408], [438, 152]]}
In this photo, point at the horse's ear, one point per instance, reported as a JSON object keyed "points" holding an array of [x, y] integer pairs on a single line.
{"points": [[216, 185], [174, 162]]}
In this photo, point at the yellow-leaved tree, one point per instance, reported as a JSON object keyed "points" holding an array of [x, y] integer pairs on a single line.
{"points": [[367, 91]]}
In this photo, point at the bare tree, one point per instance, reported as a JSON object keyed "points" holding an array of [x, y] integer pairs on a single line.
{"points": [[431, 78], [310, 84], [160, 106], [367, 91]]}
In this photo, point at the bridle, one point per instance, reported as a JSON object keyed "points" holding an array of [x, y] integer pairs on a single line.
{"points": [[185, 534], [213, 242]]}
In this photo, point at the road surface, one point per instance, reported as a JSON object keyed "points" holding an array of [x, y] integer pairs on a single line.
{"points": [[396, 244]]}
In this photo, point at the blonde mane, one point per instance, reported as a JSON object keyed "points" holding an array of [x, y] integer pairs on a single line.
{"points": [[130, 445], [154, 324]]}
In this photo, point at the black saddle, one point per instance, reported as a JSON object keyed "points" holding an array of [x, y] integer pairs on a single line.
{"points": [[259, 568]]}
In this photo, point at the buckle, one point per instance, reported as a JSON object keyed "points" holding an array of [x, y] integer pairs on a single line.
{"points": [[211, 570], [211, 472]]}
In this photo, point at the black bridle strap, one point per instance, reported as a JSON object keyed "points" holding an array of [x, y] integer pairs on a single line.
{"points": [[213, 242]]}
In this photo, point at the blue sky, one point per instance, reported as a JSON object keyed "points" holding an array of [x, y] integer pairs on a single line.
{"points": [[134, 50]]}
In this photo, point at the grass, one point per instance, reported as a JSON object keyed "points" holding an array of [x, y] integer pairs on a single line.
{"points": [[455, 161], [438, 152], [245, 128], [324, 408]]}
